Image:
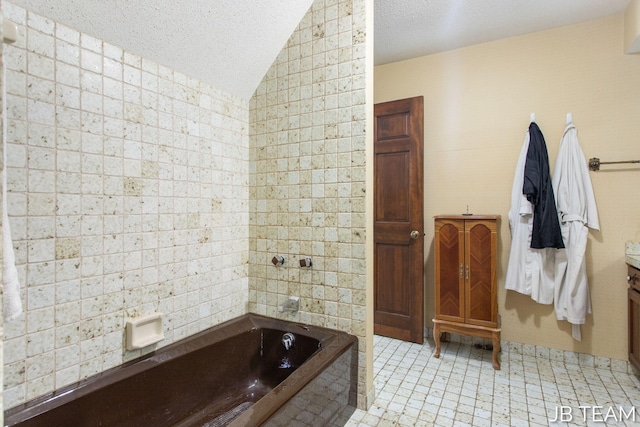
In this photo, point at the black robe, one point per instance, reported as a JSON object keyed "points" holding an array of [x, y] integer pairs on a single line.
{"points": [[539, 191]]}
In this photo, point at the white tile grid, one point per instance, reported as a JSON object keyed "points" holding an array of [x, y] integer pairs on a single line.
{"points": [[1, 212], [128, 194], [461, 388], [308, 174]]}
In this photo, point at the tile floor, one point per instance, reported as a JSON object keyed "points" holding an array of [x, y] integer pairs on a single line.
{"points": [[462, 389]]}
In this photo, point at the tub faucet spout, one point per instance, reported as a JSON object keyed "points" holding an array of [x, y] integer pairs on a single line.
{"points": [[287, 340]]}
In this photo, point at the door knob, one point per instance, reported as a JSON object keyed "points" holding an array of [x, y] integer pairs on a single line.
{"points": [[414, 234]]}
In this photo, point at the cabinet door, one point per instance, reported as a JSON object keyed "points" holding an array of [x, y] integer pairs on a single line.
{"points": [[634, 328], [449, 267], [480, 272]]}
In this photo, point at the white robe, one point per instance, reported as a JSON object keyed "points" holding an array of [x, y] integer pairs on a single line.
{"points": [[529, 271], [576, 206]]}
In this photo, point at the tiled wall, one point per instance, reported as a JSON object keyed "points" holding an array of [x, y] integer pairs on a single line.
{"points": [[128, 194], [1, 225], [308, 174], [130, 186]]}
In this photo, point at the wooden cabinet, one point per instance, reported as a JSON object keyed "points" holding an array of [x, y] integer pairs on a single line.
{"points": [[633, 278], [466, 296]]}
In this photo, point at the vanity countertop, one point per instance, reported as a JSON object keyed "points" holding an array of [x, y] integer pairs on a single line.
{"points": [[632, 254]]}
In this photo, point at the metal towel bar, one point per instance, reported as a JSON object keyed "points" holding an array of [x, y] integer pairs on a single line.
{"points": [[594, 163]]}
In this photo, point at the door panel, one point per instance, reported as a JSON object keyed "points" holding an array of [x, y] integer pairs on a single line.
{"points": [[398, 198], [393, 126], [449, 268], [634, 327], [392, 302], [479, 302], [394, 192]]}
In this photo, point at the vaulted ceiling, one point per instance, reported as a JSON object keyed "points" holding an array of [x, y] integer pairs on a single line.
{"points": [[228, 43], [232, 43]]}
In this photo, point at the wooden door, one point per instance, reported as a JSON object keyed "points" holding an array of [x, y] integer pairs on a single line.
{"points": [[449, 249], [480, 273], [399, 220]]}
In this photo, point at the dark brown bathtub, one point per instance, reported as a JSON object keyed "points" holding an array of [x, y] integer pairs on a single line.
{"points": [[238, 373]]}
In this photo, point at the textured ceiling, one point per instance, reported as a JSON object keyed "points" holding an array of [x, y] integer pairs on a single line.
{"points": [[232, 43], [410, 28], [228, 43]]}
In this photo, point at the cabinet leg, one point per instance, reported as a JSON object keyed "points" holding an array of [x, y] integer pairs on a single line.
{"points": [[436, 337], [496, 350]]}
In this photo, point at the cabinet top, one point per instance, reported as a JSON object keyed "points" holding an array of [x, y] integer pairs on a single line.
{"points": [[472, 216]]}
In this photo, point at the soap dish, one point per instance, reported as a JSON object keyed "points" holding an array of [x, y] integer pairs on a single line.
{"points": [[144, 331]]}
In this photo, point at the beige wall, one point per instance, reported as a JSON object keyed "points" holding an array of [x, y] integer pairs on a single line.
{"points": [[632, 27], [477, 106]]}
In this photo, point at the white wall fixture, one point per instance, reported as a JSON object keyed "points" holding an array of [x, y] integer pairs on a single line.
{"points": [[291, 305], [9, 31], [144, 331]]}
